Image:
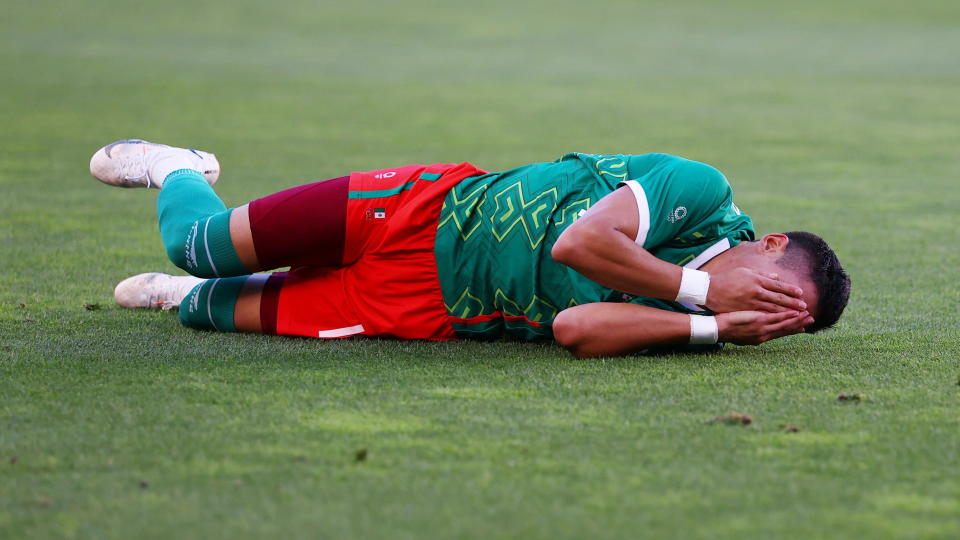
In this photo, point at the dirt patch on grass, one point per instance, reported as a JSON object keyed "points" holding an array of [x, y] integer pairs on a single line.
{"points": [[732, 419]]}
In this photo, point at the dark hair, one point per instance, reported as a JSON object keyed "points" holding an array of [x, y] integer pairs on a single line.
{"points": [[808, 253]]}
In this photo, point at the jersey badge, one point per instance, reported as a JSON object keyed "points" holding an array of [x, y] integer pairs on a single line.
{"points": [[678, 213]]}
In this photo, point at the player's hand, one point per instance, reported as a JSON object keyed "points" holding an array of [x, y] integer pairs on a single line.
{"points": [[743, 289], [756, 327]]}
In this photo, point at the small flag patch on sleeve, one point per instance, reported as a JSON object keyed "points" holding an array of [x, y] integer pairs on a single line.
{"points": [[375, 214]]}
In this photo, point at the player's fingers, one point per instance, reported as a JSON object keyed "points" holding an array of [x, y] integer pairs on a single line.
{"points": [[781, 299], [793, 323], [795, 327], [776, 285], [784, 333], [744, 317], [769, 319], [772, 308], [788, 328]]}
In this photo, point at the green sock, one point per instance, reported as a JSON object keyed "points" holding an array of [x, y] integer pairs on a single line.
{"points": [[210, 305], [195, 226]]}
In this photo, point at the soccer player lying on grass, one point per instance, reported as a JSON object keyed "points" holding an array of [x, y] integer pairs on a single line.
{"points": [[607, 254]]}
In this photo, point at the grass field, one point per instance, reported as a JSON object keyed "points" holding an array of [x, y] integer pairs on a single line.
{"points": [[838, 119]]}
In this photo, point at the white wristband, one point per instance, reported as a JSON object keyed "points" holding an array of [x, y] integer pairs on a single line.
{"points": [[703, 330], [693, 287]]}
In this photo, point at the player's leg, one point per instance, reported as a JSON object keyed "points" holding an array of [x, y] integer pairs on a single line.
{"points": [[239, 303], [299, 226], [195, 227], [309, 302], [230, 304]]}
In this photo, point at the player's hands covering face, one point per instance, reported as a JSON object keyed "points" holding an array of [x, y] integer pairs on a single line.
{"points": [[756, 327], [743, 289]]}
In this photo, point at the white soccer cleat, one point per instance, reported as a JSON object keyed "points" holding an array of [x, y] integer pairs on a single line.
{"points": [[137, 163], [154, 290]]}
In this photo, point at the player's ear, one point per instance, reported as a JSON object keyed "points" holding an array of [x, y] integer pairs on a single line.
{"points": [[774, 244]]}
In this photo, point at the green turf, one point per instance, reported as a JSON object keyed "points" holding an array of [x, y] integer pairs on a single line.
{"points": [[841, 119]]}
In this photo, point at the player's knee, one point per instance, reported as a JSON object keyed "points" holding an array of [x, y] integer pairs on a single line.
{"points": [[567, 330], [176, 256], [178, 244], [181, 249]]}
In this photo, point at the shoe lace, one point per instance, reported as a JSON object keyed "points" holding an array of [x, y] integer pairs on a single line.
{"points": [[133, 167], [169, 295], [159, 297]]}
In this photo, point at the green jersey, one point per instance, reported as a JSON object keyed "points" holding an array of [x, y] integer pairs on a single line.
{"points": [[496, 232]]}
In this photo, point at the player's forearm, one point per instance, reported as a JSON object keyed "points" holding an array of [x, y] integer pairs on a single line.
{"points": [[607, 329], [609, 257]]}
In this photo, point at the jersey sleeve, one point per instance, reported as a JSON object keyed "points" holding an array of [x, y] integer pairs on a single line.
{"points": [[680, 202]]}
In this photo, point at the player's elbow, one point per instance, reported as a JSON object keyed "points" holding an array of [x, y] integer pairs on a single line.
{"points": [[564, 249], [575, 243], [570, 331]]}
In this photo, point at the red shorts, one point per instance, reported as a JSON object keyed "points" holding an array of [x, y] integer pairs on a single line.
{"points": [[387, 282]]}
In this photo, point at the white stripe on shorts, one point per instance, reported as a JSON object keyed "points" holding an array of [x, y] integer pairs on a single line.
{"points": [[341, 332]]}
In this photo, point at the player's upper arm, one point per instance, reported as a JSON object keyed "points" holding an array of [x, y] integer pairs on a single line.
{"points": [[614, 213], [677, 202]]}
